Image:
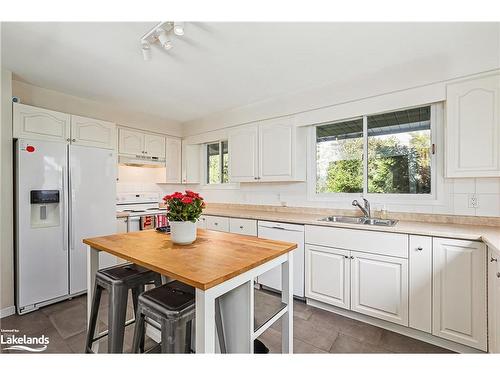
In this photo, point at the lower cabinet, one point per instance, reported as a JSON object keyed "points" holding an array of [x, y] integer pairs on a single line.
{"points": [[459, 292], [218, 223], [379, 286], [328, 275], [201, 223], [493, 301]]}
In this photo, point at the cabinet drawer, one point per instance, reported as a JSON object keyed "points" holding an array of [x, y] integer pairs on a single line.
{"points": [[243, 226], [218, 223], [391, 244], [202, 222]]}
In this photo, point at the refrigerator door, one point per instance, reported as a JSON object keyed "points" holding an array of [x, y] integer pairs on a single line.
{"points": [[92, 207], [41, 223]]}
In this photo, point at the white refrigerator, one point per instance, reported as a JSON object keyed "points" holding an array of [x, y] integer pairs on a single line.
{"points": [[64, 193]]}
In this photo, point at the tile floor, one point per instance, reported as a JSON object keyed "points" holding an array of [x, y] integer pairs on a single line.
{"points": [[315, 330]]}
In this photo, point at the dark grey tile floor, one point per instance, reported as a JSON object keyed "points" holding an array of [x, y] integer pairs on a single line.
{"points": [[315, 330]]}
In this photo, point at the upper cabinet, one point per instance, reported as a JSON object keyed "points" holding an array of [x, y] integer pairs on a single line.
{"points": [[173, 156], [191, 156], [39, 123], [133, 142], [91, 132], [273, 150], [472, 127]]}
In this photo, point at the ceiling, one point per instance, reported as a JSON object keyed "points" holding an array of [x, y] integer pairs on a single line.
{"points": [[220, 66]]}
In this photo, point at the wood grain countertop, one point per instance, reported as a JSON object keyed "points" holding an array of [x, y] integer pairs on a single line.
{"points": [[212, 259]]}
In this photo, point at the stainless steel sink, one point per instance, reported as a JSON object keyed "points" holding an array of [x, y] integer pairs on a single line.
{"points": [[360, 220]]}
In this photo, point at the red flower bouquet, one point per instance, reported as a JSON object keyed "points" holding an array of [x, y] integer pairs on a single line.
{"points": [[184, 207]]}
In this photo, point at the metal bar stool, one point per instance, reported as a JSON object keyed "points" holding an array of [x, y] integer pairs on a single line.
{"points": [[172, 306], [118, 280]]}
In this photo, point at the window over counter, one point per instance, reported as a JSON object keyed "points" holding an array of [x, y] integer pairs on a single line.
{"points": [[388, 153], [217, 162]]}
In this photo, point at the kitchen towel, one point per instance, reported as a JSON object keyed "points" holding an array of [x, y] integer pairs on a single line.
{"points": [[161, 221], [147, 222]]}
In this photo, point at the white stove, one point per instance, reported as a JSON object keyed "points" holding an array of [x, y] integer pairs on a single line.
{"points": [[139, 204]]}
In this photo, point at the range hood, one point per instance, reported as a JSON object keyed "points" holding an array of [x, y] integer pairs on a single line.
{"points": [[142, 161]]}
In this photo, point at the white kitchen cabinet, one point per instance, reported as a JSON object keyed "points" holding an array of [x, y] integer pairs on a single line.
{"points": [[218, 223], [130, 142], [243, 148], [420, 283], [202, 222], [379, 287], [191, 156], [154, 145], [39, 123], [494, 301], [173, 160], [272, 150], [459, 291], [87, 131], [327, 276], [247, 227], [121, 225], [473, 127]]}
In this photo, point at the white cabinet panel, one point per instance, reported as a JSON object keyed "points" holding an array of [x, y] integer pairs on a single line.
{"points": [[173, 160], [154, 145], [459, 292], [420, 283], [130, 142], [218, 223], [243, 143], [392, 244], [472, 127], [91, 132], [327, 275], [379, 287], [243, 226], [202, 222], [191, 156], [494, 301], [276, 151], [38, 123]]}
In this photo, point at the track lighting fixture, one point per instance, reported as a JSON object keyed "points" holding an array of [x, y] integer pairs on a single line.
{"points": [[162, 33]]}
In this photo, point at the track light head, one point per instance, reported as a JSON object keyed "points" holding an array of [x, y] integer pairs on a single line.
{"points": [[146, 51], [164, 39], [179, 28]]}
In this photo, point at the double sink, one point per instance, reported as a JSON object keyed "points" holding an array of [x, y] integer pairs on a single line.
{"points": [[360, 220]]}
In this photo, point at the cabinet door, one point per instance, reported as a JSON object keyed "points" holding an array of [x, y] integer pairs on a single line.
{"points": [[420, 264], [379, 287], [38, 123], [243, 226], [201, 223], [91, 132], [154, 145], [494, 301], [130, 142], [459, 292], [327, 274], [191, 164], [243, 154], [472, 127], [173, 160], [276, 151]]}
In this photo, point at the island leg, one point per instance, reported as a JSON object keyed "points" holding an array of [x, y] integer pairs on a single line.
{"points": [[205, 321], [287, 298], [92, 268]]}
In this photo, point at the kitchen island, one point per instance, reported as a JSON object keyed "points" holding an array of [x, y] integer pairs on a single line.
{"points": [[217, 264]]}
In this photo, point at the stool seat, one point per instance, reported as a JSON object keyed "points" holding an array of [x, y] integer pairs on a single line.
{"points": [[173, 298], [124, 273]]}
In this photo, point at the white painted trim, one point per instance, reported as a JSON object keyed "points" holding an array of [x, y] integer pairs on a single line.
{"points": [[8, 311], [406, 331]]}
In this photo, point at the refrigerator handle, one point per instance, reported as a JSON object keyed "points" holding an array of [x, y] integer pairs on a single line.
{"points": [[64, 209]]}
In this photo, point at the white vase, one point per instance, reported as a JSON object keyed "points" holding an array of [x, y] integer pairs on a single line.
{"points": [[182, 232]]}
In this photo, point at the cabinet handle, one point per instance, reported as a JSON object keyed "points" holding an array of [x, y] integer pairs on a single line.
{"points": [[145, 152], [419, 248], [241, 226], [498, 275], [73, 140], [345, 256], [68, 139], [216, 223], [255, 178], [352, 257], [493, 259]]}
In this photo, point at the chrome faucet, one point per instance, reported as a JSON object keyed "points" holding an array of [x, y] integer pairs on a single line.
{"points": [[366, 209]]}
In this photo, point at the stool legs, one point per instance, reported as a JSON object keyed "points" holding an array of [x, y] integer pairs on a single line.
{"points": [[135, 299], [94, 311], [138, 343], [116, 319], [167, 336]]}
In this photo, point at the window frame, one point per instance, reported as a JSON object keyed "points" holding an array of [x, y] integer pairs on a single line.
{"points": [[437, 164], [206, 168]]}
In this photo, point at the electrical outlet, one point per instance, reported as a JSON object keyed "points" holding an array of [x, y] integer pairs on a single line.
{"points": [[473, 202]]}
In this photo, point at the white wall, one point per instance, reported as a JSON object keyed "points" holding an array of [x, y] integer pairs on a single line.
{"points": [[57, 101], [6, 197]]}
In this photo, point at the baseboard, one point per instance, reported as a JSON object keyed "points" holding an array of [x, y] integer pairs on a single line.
{"points": [[410, 332], [8, 311]]}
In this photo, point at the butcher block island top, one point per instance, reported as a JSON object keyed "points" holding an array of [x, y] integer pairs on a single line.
{"points": [[212, 259]]}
